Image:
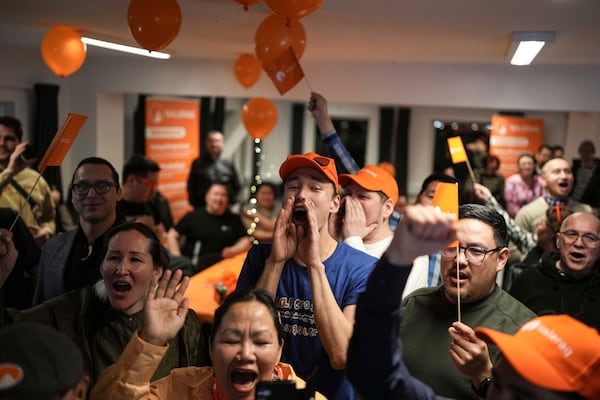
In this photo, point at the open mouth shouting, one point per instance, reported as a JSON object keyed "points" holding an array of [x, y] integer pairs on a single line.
{"points": [[463, 277], [243, 380], [300, 216], [121, 288]]}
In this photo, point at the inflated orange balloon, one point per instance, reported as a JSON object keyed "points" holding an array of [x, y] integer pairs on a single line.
{"points": [[259, 116], [154, 24], [274, 36], [62, 50], [247, 3], [293, 9], [247, 70]]}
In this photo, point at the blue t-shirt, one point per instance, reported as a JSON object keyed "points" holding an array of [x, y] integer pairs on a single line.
{"points": [[347, 271]]}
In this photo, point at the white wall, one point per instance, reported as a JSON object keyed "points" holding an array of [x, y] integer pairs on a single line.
{"points": [[460, 92]]}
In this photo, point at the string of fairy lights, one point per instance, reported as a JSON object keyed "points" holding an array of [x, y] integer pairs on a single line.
{"points": [[252, 212]]}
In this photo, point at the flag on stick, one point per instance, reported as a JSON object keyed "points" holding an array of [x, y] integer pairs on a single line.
{"points": [[285, 71], [458, 154], [62, 141]]}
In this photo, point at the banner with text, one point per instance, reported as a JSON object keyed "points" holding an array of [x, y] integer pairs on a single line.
{"points": [[511, 136], [172, 140]]}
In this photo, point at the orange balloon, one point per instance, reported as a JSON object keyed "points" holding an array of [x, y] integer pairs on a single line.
{"points": [[259, 116], [62, 50], [247, 70], [274, 36], [247, 3], [293, 9], [154, 24]]}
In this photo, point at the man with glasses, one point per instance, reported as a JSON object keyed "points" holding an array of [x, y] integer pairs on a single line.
{"points": [[17, 181], [468, 294], [72, 259], [567, 282]]}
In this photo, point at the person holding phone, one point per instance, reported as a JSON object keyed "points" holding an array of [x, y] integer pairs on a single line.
{"points": [[245, 348]]}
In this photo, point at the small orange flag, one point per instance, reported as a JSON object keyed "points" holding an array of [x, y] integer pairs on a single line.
{"points": [[446, 199], [285, 71], [457, 150], [62, 141]]}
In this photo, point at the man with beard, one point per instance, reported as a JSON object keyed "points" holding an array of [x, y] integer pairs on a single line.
{"points": [[431, 353], [314, 279], [72, 259], [566, 282]]}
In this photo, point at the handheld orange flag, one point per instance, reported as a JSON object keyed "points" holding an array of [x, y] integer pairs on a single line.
{"points": [[62, 141], [457, 150], [446, 199], [285, 71]]}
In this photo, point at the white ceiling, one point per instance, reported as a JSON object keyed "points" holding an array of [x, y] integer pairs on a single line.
{"points": [[383, 31]]}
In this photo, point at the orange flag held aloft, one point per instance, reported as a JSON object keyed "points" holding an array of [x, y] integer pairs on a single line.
{"points": [[285, 71], [446, 199], [457, 150], [62, 141]]}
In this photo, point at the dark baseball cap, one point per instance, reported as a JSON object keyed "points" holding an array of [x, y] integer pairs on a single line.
{"points": [[37, 361]]}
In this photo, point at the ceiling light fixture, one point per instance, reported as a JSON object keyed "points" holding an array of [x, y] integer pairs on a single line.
{"points": [[125, 49], [529, 45]]}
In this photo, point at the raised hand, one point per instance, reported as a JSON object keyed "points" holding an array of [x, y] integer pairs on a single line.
{"points": [[8, 255], [284, 235], [308, 250], [165, 309], [355, 221], [317, 105], [423, 230]]}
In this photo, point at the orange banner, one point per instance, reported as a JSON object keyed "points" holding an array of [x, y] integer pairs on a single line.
{"points": [[457, 150], [512, 136], [172, 140], [62, 141], [446, 199], [285, 71]]}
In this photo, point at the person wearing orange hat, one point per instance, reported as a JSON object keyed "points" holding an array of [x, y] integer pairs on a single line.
{"points": [[553, 357], [314, 279], [364, 220]]}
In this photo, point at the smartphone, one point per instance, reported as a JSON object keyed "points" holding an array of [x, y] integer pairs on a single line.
{"points": [[281, 390]]}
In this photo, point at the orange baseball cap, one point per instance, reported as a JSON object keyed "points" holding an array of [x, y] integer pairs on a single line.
{"points": [[325, 165], [555, 352], [374, 179]]}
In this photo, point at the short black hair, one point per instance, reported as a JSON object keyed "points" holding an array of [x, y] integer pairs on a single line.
{"points": [[436, 178], [98, 161], [247, 295], [139, 165], [14, 124], [488, 216]]}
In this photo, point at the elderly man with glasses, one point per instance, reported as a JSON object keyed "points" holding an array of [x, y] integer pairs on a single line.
{"points": [[441, 351], [567, 282], [72, 259]]}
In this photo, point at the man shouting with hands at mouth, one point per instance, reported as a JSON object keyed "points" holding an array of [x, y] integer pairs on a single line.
{"points": [[314, 279]]}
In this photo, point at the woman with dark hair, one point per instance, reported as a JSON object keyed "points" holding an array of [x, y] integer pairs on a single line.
{"points": [[245, 347], [102, 318]]}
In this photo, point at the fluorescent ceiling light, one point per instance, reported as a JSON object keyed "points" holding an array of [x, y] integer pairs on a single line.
{"points": [[529, 46], [125, 49]]}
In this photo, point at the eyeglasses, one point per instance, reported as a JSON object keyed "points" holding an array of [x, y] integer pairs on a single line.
{"points": [[474, 255], [588, 239], [100, 187], [146, 181]]}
